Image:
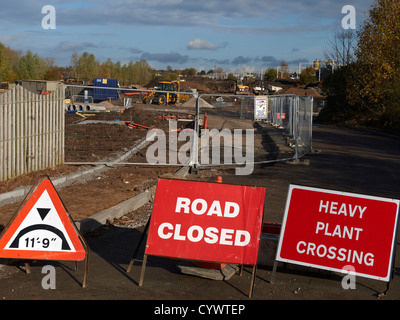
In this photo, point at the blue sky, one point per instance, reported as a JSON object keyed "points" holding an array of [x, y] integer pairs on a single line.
{"points": [[234, 35]]}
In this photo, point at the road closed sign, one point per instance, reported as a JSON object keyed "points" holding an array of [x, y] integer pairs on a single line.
{"points": [[334, 230], [206, 221]]}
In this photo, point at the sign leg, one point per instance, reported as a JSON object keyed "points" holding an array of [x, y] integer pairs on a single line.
{"points": [[86, 272], [253, 278], [143, 269], [138, 246], [27, 267], [274, 272]]}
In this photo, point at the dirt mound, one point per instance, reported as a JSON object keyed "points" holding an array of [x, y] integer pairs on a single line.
{"points": [[191, 103]]}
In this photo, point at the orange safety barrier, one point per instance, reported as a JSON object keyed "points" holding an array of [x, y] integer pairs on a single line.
{"points": [[135, 125]]}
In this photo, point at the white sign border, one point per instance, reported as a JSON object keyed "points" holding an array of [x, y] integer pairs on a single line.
{"points": [[257, 107], [292, 187]]}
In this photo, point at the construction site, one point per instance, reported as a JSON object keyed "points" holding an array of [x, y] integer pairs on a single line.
{"points": [[108, 181]]}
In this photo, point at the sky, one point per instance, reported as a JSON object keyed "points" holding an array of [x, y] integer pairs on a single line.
{"points": [[235, 35]]}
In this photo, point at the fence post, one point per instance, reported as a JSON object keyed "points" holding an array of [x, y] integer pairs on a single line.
{"points": [[311, 120], [195, 150], [295, 126]]}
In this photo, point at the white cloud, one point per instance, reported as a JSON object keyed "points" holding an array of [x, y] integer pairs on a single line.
{"points": [[69, 46], [200, 44]]}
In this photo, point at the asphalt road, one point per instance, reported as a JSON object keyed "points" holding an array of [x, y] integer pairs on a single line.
{"points": [[347, 160]]}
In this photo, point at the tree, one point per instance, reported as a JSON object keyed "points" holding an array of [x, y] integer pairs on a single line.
{"points": [[4, 63], [336, 86], [107, 69], [189, 72], [270, 74], [308, 75], [377, 82], [367, 91], [341, 47], [88, 66], [143, 72], [31, 66], [74, 65]]}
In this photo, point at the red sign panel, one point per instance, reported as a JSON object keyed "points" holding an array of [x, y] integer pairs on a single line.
{"points": [[331, 230], [206, 221]]}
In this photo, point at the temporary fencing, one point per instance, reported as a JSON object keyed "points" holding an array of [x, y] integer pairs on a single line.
{"points": [[250, 130], [206, 130]]}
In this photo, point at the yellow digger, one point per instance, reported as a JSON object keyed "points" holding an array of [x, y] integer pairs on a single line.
{"points": [[240, 88], [166, 93]]}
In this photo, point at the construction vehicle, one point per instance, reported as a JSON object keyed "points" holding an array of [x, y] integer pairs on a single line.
{"points": [[166, 93], [240, 88], [75, 81]]}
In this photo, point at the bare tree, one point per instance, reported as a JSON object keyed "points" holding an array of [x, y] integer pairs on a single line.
{"points": [[341, 47]]}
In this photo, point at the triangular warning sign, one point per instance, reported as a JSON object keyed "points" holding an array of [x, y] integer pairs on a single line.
{"points": [[42, 229]]}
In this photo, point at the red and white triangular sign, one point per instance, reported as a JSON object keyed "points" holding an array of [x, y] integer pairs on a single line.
{"points": [[42, 229]]}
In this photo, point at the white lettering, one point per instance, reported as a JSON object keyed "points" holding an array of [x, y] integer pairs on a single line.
{"points": [[203, 207], [182, 203], [323, 206], [338, 231], [348, 255], [227, 211], [332, 208], [362, 211], [199, 231], [298, 247], [177, 235], [226, 236], [161, 228], [246, 240], [210, 235], [215, 209], [200, 206]]}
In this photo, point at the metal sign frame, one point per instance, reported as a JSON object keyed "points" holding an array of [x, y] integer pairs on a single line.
{"points": [[325, 267], [145, 256]]}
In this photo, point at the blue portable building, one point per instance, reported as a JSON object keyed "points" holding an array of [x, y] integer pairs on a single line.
{"points": [[100, 94]]}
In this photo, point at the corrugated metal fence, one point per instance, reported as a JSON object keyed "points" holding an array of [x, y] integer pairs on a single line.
{"points": [[31, 131]]}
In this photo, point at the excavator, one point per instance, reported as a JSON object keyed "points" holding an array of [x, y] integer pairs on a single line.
{"points": [[166, 93], [240, 88]]}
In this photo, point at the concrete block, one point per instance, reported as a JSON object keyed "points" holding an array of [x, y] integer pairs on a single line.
{"points": [[226, 273], [267, 249], [115, 212]]}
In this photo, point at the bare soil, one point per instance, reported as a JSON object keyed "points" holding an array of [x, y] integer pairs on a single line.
{"points": [[98, 142]]}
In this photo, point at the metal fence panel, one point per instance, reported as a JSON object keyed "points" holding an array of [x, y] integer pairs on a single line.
{"points": [[170, 144], [235, 133], [304, 125], [228, 130]]}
